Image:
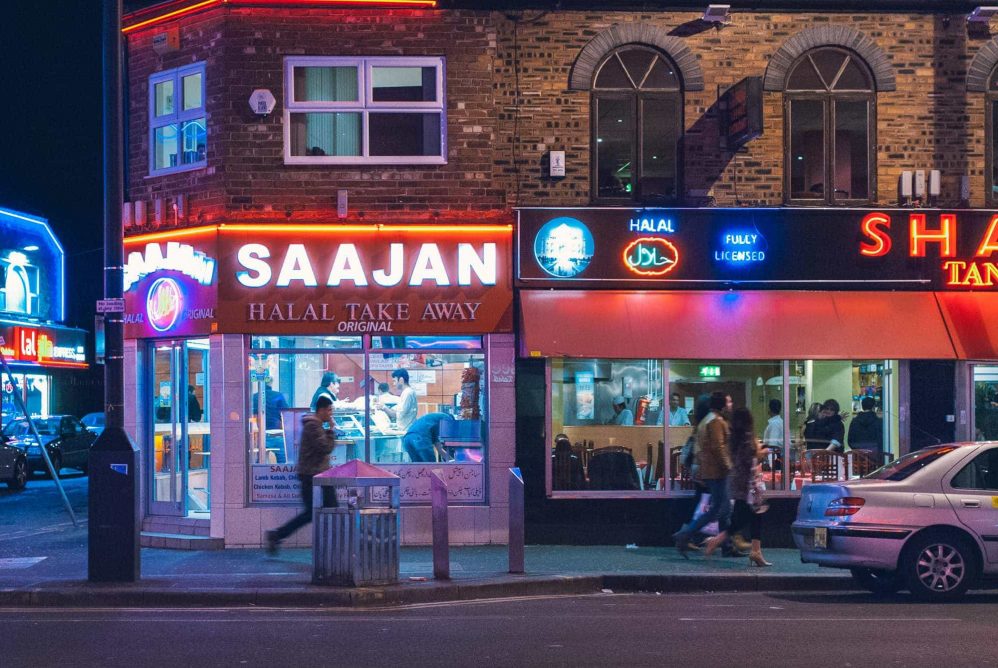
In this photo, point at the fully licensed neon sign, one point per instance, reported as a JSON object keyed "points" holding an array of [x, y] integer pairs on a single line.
{"points": [[296, 264], [979, 271]]}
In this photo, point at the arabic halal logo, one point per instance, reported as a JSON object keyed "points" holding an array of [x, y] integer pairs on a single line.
{"points": [[163, 304], [564, 247], [651, 256]]}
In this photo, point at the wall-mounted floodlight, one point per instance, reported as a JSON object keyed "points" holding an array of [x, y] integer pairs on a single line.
{"points": [[720, 14], [982, 15]]}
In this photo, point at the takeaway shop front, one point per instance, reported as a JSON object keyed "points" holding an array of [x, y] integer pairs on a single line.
{"points": [[627, 316], [46, 358], [233, 330]]}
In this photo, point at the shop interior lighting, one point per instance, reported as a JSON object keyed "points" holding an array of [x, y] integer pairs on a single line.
{"points": [[982, 14], [165, 13]]}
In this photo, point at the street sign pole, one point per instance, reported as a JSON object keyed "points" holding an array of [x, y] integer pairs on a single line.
{"points": [[113, 545]]}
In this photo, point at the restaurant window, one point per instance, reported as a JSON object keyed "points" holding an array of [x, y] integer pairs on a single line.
{"points": [[830, 115], [637, 111], [639, 413], [178, 128], [985, 403], [992, 137], [396, 401], [384, 110]]}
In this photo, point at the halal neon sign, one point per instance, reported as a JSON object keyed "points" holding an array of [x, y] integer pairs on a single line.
{"points": [[651, 256]]}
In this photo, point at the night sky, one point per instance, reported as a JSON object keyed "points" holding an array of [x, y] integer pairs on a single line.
{"points": [[50, 145]]}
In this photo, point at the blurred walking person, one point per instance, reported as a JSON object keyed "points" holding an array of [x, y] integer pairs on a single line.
{"points": [[745, 487], [713, 465]]}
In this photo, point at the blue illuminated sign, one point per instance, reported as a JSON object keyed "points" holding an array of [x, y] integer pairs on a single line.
{"points": [[652, 225], [741, 247], [564, 247]]}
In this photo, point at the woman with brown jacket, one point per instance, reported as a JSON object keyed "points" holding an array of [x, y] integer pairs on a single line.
{"points": [[713, 465]]}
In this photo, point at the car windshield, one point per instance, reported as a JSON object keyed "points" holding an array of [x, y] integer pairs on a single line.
{"points": [[910, 463], [45, 427], [94, 420]]}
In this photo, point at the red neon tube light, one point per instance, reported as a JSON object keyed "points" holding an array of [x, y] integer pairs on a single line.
{"points": [[207, 4], [171, 235]]}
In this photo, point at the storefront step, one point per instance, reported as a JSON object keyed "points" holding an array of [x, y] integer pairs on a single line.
{"points": [[178, 541]]}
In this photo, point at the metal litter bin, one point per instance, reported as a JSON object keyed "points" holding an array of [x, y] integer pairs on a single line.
{"points": [[357, 542]]}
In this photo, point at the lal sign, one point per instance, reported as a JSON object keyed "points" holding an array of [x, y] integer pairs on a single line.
{"points": [[353, 279]]}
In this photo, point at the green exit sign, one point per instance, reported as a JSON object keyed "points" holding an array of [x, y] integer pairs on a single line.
{"points": [[710, 371]]}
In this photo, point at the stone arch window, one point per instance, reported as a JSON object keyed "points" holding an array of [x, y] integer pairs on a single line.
{"points": [[637, 124], [991, 128], [830, 115]]}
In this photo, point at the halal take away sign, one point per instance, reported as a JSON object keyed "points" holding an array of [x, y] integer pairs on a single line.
{"points": [[365, 279]]}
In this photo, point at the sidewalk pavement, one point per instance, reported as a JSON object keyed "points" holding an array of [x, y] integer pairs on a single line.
{"points": [[248, 577]]}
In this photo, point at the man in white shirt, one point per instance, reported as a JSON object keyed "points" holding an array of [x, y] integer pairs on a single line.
{"points": [[404, 411], [678, 417], [772, 438]]}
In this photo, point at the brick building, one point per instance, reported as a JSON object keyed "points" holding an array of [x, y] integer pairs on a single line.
{"points": [[720, 203]]}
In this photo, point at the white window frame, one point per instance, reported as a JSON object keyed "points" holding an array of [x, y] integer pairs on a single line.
{"points": [[364, 106], [179, 115]]}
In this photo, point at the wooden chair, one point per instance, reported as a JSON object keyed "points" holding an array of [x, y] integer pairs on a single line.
{"points": [[659, 479], [862, 462], [678, 471], [825, 465]]}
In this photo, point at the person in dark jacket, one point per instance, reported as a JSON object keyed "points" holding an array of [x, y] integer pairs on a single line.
{"points": [[566, 467], [329, 386], [866, 431], [829, 432], [313, 458], [422, 439]]}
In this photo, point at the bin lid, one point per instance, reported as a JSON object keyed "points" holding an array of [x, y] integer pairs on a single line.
{"points": [[356, 473]]}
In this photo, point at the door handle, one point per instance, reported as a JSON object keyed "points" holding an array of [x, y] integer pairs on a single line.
{"points": [[970, 503]]}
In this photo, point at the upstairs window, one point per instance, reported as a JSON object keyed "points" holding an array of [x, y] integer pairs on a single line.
{"points": [[992, 134], [178, 129], [364, 110], [637, 125], [830, 118]]}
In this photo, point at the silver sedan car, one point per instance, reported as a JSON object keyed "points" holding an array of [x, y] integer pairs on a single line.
{"points": [[927, 522]]}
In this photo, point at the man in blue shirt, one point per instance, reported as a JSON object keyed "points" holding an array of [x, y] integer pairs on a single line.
{"points": [[422, 438], [678, 417], [273, 403]]}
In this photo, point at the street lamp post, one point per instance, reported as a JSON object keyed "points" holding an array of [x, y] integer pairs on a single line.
{"points": [[113, 554]]}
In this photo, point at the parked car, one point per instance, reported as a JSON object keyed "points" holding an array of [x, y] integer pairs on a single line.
{"points": [[927, 522], [94, 422], [13, 464], [64, 436]]}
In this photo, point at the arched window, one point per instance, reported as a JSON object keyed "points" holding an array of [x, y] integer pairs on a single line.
{"points": [[992, 130], [830, 129], [637, 125]]}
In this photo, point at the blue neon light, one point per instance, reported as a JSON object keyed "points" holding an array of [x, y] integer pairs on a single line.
{"points": [[12, 216], [564, 247], [741, 246]]}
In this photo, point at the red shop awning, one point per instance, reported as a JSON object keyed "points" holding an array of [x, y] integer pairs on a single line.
{"points": [[972, 319], [733, 325]]}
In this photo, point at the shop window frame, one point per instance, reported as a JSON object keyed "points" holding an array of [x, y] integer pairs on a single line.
{"points": [[364, 106], [177, 117], [637, 96], [828, 98], [367, 350]]}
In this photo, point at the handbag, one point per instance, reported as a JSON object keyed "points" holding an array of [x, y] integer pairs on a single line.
{"points": [[688, 453], [757, 485]]}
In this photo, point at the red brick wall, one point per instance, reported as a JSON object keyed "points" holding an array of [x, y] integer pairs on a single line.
{"points": [[497, 138], [246, 177]]}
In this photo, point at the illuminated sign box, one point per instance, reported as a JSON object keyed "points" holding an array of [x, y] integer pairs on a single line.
{"points": [[778, 248], [345, 279]]}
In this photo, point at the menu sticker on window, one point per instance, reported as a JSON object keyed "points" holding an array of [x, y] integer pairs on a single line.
{"points": [[585, 395]]}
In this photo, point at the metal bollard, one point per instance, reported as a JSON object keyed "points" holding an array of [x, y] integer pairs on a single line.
{"points": [[441, 537], [516, 536]]}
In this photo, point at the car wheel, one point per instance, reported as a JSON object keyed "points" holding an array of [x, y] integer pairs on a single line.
{"points": [[20, 478], [57, 462], [939, 567], [876, 581]]}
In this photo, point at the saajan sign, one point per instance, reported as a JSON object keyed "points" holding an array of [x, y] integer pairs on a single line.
{"points": [[323, 279]]}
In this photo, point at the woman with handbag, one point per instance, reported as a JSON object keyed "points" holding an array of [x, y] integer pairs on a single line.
{"points": [[746, 487]]}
